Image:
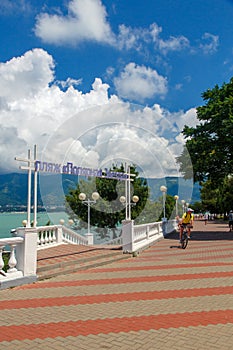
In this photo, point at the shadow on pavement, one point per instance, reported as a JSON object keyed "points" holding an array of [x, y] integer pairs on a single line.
{"points": [[207, 235]]}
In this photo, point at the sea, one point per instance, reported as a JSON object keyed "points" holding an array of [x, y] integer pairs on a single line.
{"points": [[9, 221]]}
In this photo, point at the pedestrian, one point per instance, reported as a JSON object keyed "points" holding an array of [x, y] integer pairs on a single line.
{"points": [[206, 218], [230, 220]]}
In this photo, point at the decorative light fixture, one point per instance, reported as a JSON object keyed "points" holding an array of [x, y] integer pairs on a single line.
{"points": [[95, 196]]}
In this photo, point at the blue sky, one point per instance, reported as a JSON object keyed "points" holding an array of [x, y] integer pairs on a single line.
{"points": [[59, 58], [197, 35]]}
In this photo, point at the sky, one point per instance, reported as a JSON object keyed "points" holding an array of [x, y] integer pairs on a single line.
{"points": [[100, 82]]}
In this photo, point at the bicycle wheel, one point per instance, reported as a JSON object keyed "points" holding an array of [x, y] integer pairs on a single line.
{"points": [[184, 242]]}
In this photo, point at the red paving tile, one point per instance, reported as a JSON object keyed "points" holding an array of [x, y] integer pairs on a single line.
{"points": [[109, 298], [140, 279], [200, 253], [159, 267], [115, 325]]}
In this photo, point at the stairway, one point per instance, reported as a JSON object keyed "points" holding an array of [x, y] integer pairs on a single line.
{"points": [[68, 258]]}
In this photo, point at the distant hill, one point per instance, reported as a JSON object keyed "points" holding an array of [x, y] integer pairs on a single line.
{"points": [[52, 188], [185, 189], [14, 189]]}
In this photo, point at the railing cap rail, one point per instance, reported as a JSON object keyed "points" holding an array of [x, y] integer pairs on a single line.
{"points": [[11, 240]]}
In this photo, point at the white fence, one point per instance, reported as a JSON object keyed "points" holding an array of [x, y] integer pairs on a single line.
{"points": [[138, 237], [23, 247], [22, 262], [57, 234]]}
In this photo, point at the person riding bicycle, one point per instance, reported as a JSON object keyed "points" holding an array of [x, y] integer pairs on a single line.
{"points": [[187, 220]]}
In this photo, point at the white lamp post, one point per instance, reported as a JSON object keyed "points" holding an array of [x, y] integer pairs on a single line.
{"points": [[163, 189], [62, 221], [183, 205], [128, 204], [176, 199], [95, 196], [24, 223]]}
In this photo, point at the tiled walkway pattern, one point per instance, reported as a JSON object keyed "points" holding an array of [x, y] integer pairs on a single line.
{"points": [[166, 298]]}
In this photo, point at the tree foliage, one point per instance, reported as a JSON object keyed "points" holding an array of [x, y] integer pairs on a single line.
{"points": [[108, 211], [210, 147], [209, 144]]}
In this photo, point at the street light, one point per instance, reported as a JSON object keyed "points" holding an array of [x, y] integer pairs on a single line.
{"points": [[183, 205], [176, 199], [82, 196], [163, 189], [123, 200], [62, 222]]}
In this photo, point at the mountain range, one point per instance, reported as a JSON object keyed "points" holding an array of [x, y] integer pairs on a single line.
{"points": [[52, 188]]}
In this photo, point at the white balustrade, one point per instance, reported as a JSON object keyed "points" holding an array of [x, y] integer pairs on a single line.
{"points": [[23, 247], [12, 271], [58, 234], [47, 235], [136, 237], [73, 237]]}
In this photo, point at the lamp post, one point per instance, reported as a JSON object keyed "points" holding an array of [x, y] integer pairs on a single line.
{"points": [[70, 222], [176, 199], [95, 196], [183, 205], [163, 189], [128, 204]]}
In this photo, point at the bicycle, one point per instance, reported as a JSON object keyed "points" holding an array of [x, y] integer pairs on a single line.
{"points": [[184, 236]]}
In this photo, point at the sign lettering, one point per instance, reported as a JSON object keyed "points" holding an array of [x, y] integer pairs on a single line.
{"points": [[71, 169]]}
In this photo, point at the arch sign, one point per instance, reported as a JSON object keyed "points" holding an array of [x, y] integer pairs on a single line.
{"points": [[71, 169], [34, 165]]}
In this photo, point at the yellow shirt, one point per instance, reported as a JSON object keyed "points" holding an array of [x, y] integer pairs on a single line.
{"points": [[187, 217]]}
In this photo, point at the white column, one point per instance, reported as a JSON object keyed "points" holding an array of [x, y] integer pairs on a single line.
{"points": [[127, 235], [29, 190], [90, 238], [26, 253], [35, 191]]}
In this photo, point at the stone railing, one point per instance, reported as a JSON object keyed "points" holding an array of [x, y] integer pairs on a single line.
{"points": [[22, 251], [138, 237], [57, 234], [22, 260], [26, 242]]}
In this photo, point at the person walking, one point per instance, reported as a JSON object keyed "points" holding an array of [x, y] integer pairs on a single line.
{"points": [[230, 220], [206, 217]]}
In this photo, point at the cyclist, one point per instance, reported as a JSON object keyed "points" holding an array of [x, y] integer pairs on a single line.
{"points": [[187, 220]]}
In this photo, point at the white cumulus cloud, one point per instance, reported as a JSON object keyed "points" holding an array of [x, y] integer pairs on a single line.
{"points": [[140, 83], [89, 129], [86, 21]]}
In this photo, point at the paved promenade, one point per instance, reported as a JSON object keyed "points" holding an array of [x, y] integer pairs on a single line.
{"points": [[165, 298]]}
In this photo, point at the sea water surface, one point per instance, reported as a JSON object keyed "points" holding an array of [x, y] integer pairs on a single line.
{"points": [[9, 221]]}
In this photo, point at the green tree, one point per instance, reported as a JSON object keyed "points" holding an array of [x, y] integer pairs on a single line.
{"points": [[210, 147], [209, 144], [108, 212], [210, 196]]}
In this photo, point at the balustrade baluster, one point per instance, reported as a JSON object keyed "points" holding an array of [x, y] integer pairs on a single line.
{"points": [[38, 238], [42, 238], [51, 238], [46, 239], [12, 261], [1, 259]]}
